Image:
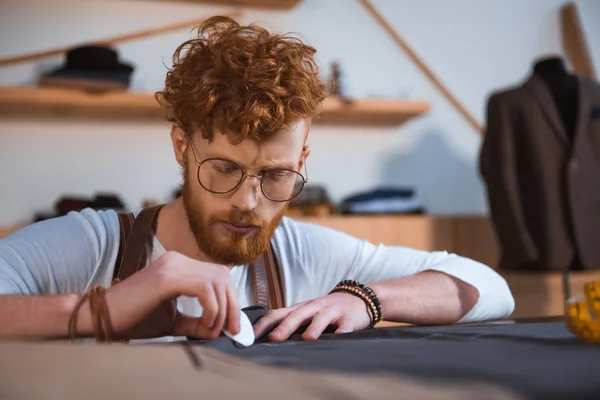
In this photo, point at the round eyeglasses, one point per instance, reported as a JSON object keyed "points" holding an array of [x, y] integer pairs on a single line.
{"points": [[220, 176]]}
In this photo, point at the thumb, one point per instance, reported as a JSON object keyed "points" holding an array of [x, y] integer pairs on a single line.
{"points": [[186, 325]]}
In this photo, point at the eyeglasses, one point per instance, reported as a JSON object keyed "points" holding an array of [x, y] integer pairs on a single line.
{"points": [[221, 176]]}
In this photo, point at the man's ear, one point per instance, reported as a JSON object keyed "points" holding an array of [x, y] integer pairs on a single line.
{"points": [[180, 144], [305, 153], [306, 149]]}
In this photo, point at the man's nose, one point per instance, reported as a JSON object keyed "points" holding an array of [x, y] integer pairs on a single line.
{"points": [[245, 197]]}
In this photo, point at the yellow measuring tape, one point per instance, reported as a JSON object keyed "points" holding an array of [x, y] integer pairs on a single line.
{"points": [[583, 315]]}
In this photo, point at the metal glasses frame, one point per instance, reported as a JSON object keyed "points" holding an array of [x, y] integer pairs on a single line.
{"points": [[245, 175]]}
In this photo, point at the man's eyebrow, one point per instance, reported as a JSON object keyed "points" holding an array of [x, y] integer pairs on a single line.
{"points": [[267, 165], [215, 155], [276, 165]]}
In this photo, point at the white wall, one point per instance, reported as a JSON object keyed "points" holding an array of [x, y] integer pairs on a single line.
{"points": [[589, 12], [474, 46]]}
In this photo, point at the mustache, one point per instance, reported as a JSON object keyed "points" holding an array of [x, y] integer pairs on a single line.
{"points": [[238, 217]]}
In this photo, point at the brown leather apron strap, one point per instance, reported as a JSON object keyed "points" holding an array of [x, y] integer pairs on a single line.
{"points": [[259, 281], [139, 243], [267, 281], [125, 225], [276, 299]]}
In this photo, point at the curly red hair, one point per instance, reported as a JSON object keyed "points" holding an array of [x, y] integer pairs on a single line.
{"points": [[241, 80]]}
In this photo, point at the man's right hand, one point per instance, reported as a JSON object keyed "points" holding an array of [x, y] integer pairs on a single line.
{"points": [[144, 305]]}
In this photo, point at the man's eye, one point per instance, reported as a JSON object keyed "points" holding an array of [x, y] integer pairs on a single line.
{"points": [[278, 175], [226, 169], [223, 167]]}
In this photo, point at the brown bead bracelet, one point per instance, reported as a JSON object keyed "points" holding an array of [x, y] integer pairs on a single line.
{"points": [[366, 294]]}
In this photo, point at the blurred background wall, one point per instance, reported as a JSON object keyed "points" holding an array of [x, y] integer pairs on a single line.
{"points": [[473, 46]]}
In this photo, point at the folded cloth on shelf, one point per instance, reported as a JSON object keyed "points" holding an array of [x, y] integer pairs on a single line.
{"points": [[311, 195], [383, 201]]}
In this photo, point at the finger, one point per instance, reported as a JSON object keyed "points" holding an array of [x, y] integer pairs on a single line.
{"points": [[272, 318], [186, 325], [320, 321], [210, 306], [292, 322], [221, 295], [233, 311], [345, 325]]}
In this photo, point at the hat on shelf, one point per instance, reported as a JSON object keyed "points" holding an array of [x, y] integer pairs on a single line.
{"points": [[92, 68]]}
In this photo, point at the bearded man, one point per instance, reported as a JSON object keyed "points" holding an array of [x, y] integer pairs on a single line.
{"points": [[241, 101]]}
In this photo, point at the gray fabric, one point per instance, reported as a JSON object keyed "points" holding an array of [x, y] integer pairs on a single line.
{"points": [[536, 360]]}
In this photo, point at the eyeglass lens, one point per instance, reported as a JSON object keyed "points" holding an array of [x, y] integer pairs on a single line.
{"points": [[223, 176]]}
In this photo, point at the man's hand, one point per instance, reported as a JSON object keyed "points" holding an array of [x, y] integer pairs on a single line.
{"points": [[346, 311], [144, 305]]}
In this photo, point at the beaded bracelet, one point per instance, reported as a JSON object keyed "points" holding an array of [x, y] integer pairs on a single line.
{"points": [[366, 294], [368, 291]]}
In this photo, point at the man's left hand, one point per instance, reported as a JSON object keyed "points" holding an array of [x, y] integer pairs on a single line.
{"points": [[343, 310]]}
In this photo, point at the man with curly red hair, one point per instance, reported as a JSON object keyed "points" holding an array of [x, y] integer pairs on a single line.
{"points": [[241, 101]]}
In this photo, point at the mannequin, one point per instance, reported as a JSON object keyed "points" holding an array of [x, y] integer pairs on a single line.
{"points": [[563, 87], [539, 160]]}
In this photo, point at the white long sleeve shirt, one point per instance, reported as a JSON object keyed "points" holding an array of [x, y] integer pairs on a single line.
{"points": [[68, 254]]}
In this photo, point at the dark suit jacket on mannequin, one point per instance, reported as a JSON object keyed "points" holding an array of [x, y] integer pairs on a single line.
{"points": [[543, 186]]}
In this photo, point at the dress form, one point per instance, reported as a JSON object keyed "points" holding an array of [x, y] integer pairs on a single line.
{"points": [[564, 89]]}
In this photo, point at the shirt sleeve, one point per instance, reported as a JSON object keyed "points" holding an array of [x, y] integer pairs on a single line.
{"points": [[328, 256], [60, 255]]}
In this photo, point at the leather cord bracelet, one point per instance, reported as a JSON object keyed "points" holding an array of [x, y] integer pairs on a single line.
{"points": [[366, 294], [100, 316]]}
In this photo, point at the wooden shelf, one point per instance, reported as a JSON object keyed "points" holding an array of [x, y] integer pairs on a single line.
{"points": [[372, 112], [272, 4], [7, 230], [32, 102]]}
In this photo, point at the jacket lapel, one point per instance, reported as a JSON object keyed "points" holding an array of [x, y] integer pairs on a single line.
{"points": [[544, 99]]}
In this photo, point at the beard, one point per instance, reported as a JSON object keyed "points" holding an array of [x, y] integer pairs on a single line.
{"points": [[229, 248]]}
